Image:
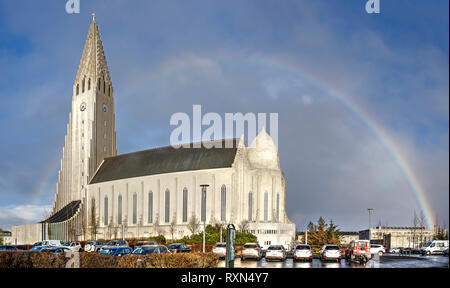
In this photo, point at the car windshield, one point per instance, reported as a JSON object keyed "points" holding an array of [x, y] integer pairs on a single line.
{"points": [[149, 250], [361, 244], [275, 248], [138, 251], [175, 246], [303, 247], [220, 245], [332, 248], [107, 251], [428, 244], [250, 246], [111, 243]]}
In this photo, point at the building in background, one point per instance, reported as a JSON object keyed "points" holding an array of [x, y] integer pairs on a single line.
{"points": [[348, 236], [6, 237], [393, 237], [103, 196]]}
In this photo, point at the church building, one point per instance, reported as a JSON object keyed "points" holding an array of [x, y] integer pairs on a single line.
{"points": [[169, 191]]}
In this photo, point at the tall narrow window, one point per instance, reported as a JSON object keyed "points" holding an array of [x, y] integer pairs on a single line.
{"points": [[185, 202], [223, 203], [83, 84], [104, 86], [106, 212], [278, 206], [167, 206], [78, 89], [109, 90], [99, 83], [119, 210], [266, 206], [134, 208], [250, 206], [150, 207], [89, 84]]}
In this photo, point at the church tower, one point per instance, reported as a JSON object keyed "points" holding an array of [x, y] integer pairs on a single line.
{"points": [[91, 135]]}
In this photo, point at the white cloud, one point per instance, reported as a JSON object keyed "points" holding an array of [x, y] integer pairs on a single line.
{"points": [[22, 214]]}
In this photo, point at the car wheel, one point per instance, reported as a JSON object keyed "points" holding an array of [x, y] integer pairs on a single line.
{"points": [[428, 253], [380, 253]]}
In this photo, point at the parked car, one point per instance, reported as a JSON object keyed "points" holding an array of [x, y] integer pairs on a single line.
{"points": [[151, 249], [434, 247], [251, 250], [73, 246], [37, 244], [115, 251], [7, 248], [147, 243], [377, 249], [302, 252], [276, 252], [220, 249], [179, 248], [119, 243], [93, 246], [358, 250], [38, 248], [264, 249], [57, 243], [445, 252], [330, 252], [395, 250], [55, 250]]}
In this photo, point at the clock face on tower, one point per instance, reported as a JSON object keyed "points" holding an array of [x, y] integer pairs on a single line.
{"points": [[105, 108], [83, 106]]}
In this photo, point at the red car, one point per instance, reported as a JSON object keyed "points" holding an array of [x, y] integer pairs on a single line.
{"points": [[358, 250]]}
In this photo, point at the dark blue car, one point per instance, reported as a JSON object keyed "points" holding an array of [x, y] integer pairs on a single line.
{"points": [[115, 251], [7, 248]]}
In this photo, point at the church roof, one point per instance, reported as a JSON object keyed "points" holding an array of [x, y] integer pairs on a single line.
{"points": [[165, 160], [65, 213]]}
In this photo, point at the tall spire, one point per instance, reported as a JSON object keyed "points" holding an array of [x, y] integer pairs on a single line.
{"points": [[93, 62]]}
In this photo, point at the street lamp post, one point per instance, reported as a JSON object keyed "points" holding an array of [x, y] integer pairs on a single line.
{"points": [[204, 186], [370, 219]]}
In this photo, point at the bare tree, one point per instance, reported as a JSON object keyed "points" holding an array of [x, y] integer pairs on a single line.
{"points": [[243, 226], [156, 226], [193, 224], [172, 227], [93, 221]]}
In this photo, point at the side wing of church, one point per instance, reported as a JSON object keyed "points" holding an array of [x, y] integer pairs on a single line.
{"points": [[157, 191]]}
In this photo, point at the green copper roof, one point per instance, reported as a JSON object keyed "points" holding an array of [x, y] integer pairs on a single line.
{"points": [[165, 160]]}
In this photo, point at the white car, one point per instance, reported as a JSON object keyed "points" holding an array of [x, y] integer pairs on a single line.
{"points": [[220, 249], [395, 250], [56, 243], [377, 249], [74, 246], [434, 247], [276, 252], [330, 252], [303, 252], [93, 246], [251, 250]]}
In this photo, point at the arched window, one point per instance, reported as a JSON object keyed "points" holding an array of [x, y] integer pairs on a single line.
{"points": [[105, 216], [83, 85], [99, 83], [119, 210], [89, 84], [109, 90], [278, 206], [185, 204], [250, 206], [167, 206], [134, 208], [223, 203], [104, 86], [150, 207], [78, 89], [266, 206]]}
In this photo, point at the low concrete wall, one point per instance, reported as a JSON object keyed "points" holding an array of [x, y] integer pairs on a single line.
{"points": [[26, 234]]}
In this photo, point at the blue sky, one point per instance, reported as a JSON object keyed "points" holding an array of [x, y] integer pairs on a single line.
{"points": [[242, 56]]}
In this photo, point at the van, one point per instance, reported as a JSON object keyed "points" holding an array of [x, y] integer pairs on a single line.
{"points": [[434, 247], [52, 243]]}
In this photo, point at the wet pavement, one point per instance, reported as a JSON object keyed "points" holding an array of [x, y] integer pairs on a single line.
{"points": [[385, 261]]}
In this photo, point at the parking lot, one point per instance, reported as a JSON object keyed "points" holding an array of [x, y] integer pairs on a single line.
{"points": [[385, 261]]}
